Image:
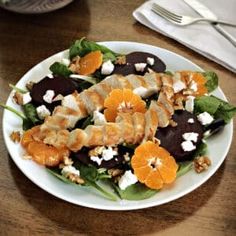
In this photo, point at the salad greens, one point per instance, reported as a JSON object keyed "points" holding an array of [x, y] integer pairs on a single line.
{"points": [[97, 178], [83, 46], [214, 106], [60, 69]]}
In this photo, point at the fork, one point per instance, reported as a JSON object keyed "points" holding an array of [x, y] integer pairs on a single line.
{"points": [[184, 20]]}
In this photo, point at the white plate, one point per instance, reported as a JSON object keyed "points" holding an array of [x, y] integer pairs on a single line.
{"points": [[34, 6], [218, 145]]}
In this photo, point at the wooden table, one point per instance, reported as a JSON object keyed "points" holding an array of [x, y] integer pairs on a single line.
{"points": [[26, 209]]}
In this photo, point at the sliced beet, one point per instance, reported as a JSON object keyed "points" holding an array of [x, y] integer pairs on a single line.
{"points": [[59, 85], [139, 57], [171, 137], [117, 161]]}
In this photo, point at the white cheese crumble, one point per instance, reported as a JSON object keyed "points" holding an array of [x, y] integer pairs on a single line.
{"points": [[190, 136], [99, 118], [193, 86], [188, 146], [189, 104], [26, 98], [107, 68], [191, 120], [127, 179], [42, 112], [108, 154], [50, 76], [144, 92], [96, 159], [150, 61], [65, 61], [140, 66], [70, 170], [48, 96], [205, 118]]}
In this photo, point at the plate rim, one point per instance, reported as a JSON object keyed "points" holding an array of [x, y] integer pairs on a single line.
{"points": [[121, 207]]}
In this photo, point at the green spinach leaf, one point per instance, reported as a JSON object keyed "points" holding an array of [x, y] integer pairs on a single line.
{"points": [[136, 191], [184, 167], [201, 150], [214, 106], [83, 46], [60, 69]]}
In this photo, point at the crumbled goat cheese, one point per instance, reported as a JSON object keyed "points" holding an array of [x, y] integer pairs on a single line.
{"points": [[70, 102], [144, 92], [205, 118], [140, 66], [191, 120], [50, 76], [70, 170], [108, 154], [96, 159], [193, 86], [188, 146], [65, 61], [189, 104], [150, 61], [26, 98], [127, 179], [191, 136], [99, 118], [42, 112], [48, 96], [107, 68]]}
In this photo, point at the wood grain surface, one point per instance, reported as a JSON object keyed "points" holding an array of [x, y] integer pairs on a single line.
{"points": [[26, 209]]}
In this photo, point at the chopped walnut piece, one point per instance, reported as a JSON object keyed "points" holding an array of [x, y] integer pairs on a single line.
{"points": [[75, 178], [75, 66], [96, 151], [201, 163], [27, 157], [18, 98], [115, 172], [67, 161], [15, 136], [121, 60], [127, 157], [30, 85]]}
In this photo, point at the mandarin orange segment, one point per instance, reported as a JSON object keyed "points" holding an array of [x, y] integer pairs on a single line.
{"points": [[122, 100], [90, 63], [153, 165], [28, 136], [198, 78]]}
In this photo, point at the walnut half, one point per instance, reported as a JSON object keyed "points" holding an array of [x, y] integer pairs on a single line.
{"points": [[201, 164]]}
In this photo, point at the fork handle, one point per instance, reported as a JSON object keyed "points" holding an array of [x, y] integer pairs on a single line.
{"points": [[225, 34], [217, 21]]}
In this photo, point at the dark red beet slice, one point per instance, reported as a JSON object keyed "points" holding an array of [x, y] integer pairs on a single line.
{"points": [[60, 85], [171, 137], [117, 161], [139, 57]]}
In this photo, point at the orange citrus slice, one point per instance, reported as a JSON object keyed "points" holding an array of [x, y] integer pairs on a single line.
{"points": [[153, 165]]}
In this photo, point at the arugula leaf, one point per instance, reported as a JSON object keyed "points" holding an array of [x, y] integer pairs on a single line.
{"points": [[184, 167], [56, 172], [83, 46], [136, 191], [212, 80], [60, 69], [31, 113], [214, 106]]}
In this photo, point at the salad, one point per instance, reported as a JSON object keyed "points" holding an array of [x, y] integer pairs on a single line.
{"points": [[103, 118]]}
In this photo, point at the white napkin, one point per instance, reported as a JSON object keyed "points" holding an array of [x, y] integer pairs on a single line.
{"points": [[201, 37]]}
